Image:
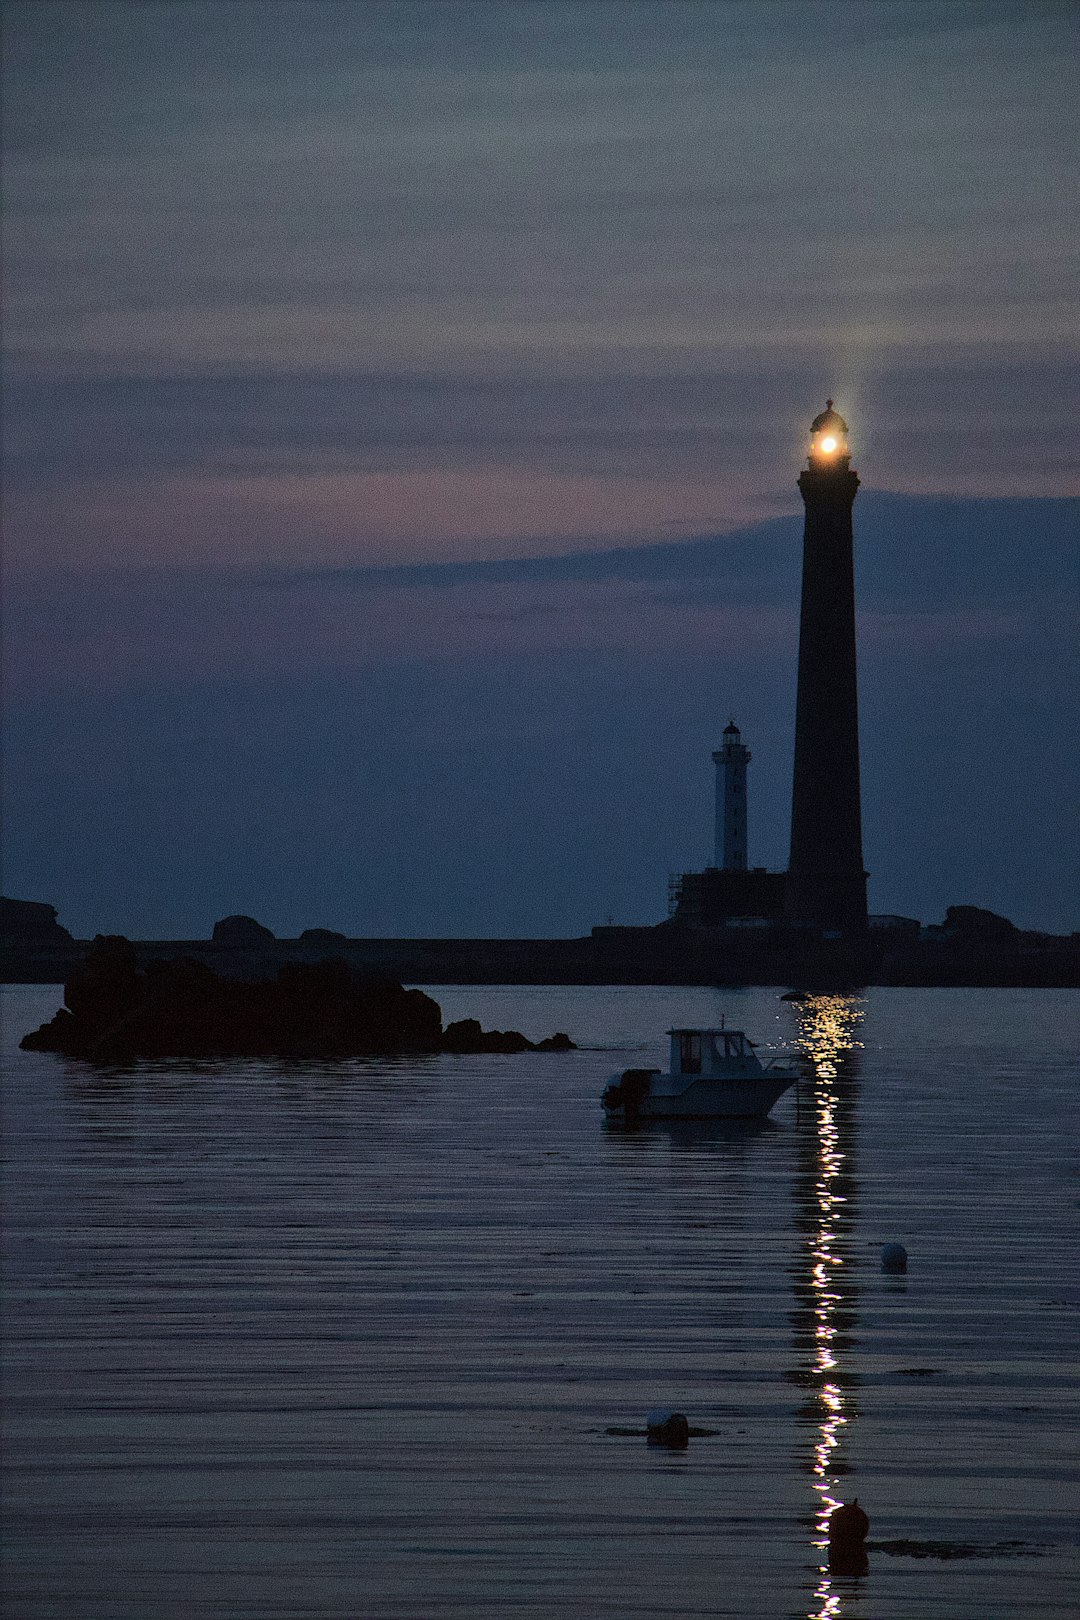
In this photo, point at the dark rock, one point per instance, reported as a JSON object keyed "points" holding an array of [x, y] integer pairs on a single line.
{"points": [[465, 1035], [670, 1429], [322, 937], [462, 1035], [107, 984], [972, 924], [505, 1040], [30, 922], [180, 1007], [241, 933]]}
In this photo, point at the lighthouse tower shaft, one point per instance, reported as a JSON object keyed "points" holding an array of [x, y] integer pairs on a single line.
{"points": [[730, 838], [826, 881]]}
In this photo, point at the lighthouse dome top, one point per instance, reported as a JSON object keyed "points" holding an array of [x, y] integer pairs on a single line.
{"points": [[829, 441], [828, 418]]}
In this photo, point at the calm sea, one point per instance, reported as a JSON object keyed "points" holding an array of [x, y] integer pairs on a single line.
{"points": [[377, 1339]]}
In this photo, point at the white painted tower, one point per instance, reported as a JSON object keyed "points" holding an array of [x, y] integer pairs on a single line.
{"points": [[731, 761]]}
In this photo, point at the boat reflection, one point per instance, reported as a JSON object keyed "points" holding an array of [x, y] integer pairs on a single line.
{"points": [[694, 1134], [825, 1294]]}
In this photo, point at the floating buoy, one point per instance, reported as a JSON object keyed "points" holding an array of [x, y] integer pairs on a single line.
{"points": [[848, 1529], [667, 1428], [848, 1523], [894, 1257]]}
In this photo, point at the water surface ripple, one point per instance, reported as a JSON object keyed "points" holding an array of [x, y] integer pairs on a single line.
{"points": [[349, 1339]]}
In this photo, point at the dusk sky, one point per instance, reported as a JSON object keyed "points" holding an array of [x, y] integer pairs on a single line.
{"points": [[402, 411]]}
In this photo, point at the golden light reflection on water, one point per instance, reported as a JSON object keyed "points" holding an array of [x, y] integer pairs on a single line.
{"points": [[827, 1026]]}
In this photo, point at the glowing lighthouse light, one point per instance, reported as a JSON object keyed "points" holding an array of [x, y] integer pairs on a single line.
{"points": [[828, 439]]}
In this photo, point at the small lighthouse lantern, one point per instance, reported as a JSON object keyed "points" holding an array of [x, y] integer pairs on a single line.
{"points": [[828, 440]]}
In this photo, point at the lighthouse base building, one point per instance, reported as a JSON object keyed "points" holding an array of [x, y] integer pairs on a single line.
{"points": [[730, 892]]}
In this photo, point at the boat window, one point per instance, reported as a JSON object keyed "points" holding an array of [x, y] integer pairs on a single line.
{"points": [[690, 1054]]}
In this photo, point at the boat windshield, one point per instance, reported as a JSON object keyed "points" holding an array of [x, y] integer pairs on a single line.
{"points": [[698, 1051], [690, 1052]]}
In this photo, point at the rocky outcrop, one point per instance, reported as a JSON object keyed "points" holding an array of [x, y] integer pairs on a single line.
{"points": [[972, 925], [241, 933], [181, 1008], [34, 948], [30, 922], [466, 1036]]}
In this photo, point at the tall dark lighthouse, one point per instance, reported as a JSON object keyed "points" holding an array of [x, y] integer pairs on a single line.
{"points": [[826, 886]]}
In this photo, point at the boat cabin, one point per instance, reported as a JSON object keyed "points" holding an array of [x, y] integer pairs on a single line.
{"points": [[708, 1051]]}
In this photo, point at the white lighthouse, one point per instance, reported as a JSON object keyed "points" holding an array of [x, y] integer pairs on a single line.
{"points": [[731, 761]]}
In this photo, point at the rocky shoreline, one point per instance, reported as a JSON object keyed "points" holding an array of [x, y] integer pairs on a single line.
{"points": [[971, 947], [115, 1011]]}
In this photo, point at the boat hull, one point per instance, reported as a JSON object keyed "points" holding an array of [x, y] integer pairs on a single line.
{"points": [[751, 1097]]}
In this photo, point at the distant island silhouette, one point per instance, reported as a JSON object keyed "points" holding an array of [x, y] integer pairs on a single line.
{"points": [[178, 1007], [971, 946]]}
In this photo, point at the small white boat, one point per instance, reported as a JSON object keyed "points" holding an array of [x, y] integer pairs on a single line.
{"points": [[714, 1074]]}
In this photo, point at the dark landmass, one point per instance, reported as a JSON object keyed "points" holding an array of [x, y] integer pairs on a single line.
{"points": [[970, 947], [114, 1011]]}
